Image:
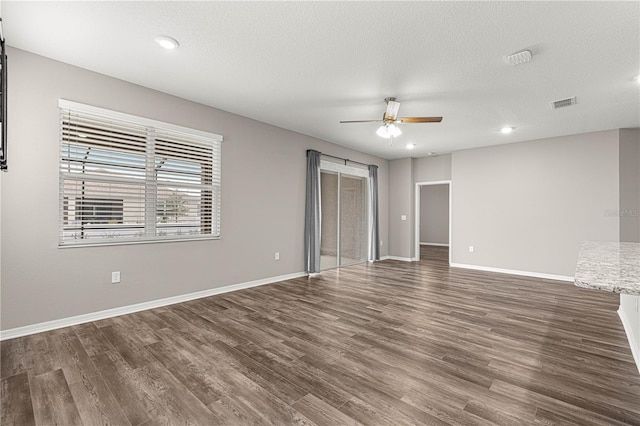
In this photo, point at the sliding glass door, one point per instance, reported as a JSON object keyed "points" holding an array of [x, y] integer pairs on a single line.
{"points": [[344, 219], [353, 219]]}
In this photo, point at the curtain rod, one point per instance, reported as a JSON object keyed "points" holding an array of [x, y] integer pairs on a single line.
{"points": [[343, 159]]}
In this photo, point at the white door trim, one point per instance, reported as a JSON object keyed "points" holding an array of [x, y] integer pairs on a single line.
{"points": [[417, 215]]}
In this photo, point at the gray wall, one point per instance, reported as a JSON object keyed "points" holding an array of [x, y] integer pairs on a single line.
{"points": [[432, 169], [401, 233], [527, 206], [630, 185], [630, 219], [263, 177], [434, 214]]}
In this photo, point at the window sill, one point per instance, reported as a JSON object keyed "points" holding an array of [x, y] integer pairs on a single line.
{"points": [[127, 243]]}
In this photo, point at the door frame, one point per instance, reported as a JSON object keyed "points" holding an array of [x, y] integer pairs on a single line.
{"points": [[416, 256], [353, 172]]}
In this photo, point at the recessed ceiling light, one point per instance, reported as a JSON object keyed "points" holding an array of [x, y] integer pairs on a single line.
{"points": [[411, 145], [167, 42], [637, 79], [507, 130], [431, 153]]}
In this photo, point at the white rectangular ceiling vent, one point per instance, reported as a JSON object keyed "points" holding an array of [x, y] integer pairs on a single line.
{"points": [[519, 57], [563, 103]]}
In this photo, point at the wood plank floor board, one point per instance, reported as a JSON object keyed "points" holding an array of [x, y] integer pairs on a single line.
{"points": [[13, 357], [229, 336], [93, 341], [199, 380], [179, 404], [53, 403], [212, 328], [389, 343], [370, 388], [40, 355], [137, 404], [304, 376], [128, 345], [578, 415], [375, 414], [144, 333], [94, 401], [427, 363], [219, 357], [449, 407], [577, 392], [322, 413], [17, 408]]}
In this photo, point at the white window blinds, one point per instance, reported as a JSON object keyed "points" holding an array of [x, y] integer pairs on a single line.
{"points": [[129, 179]]}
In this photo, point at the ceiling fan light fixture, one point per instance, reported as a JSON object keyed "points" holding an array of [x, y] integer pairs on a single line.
{"points": [[388, 129], [383, 132], [394, 130]]}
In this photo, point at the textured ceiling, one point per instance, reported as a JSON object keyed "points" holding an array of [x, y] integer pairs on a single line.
{"points": [[305, 66]]}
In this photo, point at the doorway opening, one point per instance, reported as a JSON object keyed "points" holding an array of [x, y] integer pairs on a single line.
{"points": [[433, 215]]}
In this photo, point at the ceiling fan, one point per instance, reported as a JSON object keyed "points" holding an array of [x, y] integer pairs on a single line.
{"points": [[390, 119]]}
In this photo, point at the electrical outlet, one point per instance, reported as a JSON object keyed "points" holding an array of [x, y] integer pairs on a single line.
{"points": [[471, 249], [115, 277], [403, 217], [277, 256]]}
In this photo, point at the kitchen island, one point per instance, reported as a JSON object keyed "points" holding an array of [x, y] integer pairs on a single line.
{"points": [[607, 266], [615, 267]]}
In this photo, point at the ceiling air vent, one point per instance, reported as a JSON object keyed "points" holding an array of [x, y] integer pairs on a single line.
{"points": [[519, 57], [563, 103]]}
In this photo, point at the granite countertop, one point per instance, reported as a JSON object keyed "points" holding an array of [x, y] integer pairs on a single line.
{"points": [[613, 267]]}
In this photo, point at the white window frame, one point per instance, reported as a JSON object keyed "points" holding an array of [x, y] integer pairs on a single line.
{"points": [[151, 194]]}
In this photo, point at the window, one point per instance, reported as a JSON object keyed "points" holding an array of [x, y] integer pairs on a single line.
{"points": [[129, 179]]}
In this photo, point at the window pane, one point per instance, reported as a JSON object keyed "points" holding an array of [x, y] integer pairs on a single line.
{"points": [[183, 212], [329, 214], [102, 211]]}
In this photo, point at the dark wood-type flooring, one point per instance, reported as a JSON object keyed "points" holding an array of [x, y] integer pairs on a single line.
{"points": [[390, 343]]}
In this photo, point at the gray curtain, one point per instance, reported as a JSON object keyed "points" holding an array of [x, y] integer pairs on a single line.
{"points": [[374, 237], [312, 219]]}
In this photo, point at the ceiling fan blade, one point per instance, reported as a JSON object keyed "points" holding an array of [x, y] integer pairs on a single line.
{"points": [[361, 121], [392, 109], [418, 119]]}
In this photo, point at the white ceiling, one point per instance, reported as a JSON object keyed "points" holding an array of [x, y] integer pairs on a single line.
{"points": [[305, 66]]}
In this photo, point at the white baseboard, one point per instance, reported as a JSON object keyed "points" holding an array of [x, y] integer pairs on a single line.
{"points": [[434, 244], [95, 316], [404, 259], [635, 348], [514, 272]]}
